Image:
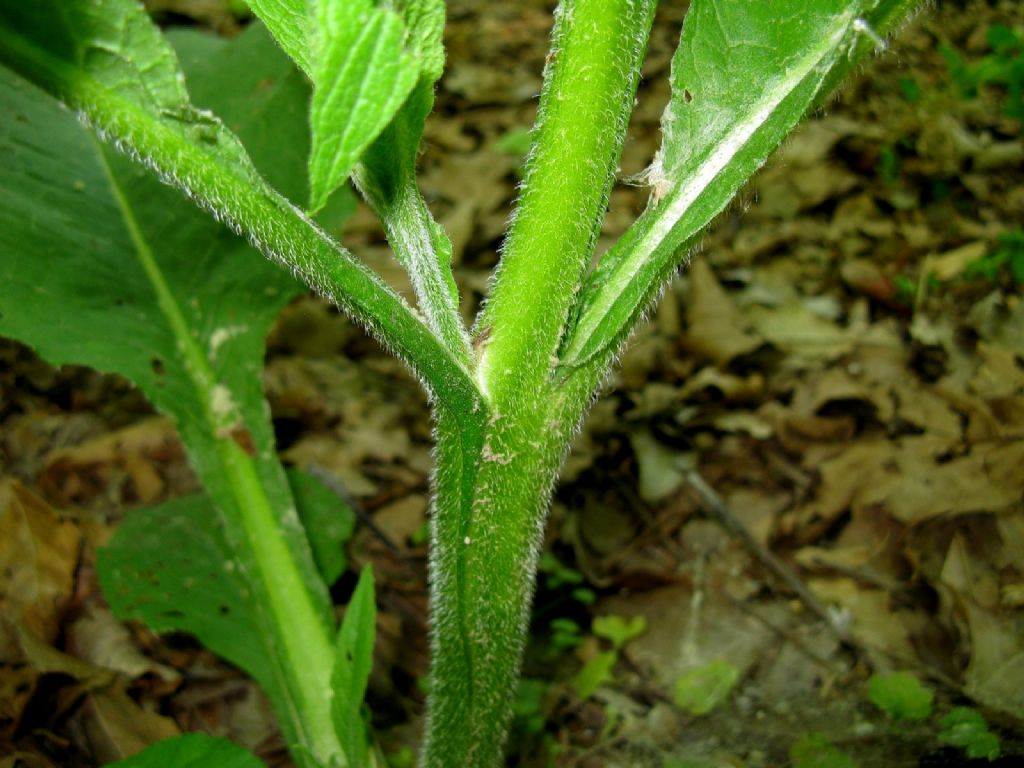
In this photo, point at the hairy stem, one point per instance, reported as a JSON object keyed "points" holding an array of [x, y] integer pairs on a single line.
{"points": [[420, 245], [492, 492], [256, 211], [588, 94]]}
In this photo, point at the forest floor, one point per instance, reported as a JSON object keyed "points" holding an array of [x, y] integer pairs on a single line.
{"points": [[806, 475]]}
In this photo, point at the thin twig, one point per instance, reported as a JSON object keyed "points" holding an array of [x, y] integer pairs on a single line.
{"points": [[714, 504]]}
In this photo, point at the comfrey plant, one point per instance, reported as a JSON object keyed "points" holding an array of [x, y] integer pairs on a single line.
{"points": [[103, 266]]}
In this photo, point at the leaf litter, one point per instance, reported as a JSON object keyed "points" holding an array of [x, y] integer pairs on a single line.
{"points": [[827, 365]]}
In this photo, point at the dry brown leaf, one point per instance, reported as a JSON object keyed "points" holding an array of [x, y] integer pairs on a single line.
{"points": [[17, 684], [38, 556], [999, 320], [400, 519], [920, 484], [742, 422], [865, 276], [45, 659], [946, 266], [923, 407], [995, 675], [999, 375], [844, 477], [714, 383], [99, 638], [802, 333], [662, 469], [837, 384], [916, 479], [117, 727], [715, 327], [969, 575], [872, 619], [131, 455], [685, 630]]}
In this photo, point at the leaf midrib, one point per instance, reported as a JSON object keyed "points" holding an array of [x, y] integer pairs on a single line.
{"points": [[197, 365], [688, 193]]}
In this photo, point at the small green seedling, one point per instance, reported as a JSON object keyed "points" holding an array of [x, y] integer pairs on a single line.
{"points": [[562, 585], [702, 689], [901, 696], [565, 634], [1003, 67], [965, 727], [814, 750], [1008, 254], [598, 670], [557, 575], [528, 706], [690, 762]]}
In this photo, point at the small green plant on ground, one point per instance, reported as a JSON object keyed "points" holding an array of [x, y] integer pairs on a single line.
{"points": [[965, 727], [598, 670], [105, 267], [1002, 67], [904, 698], [702, 689], [901, 696], [1008, 254], [814, 750]]}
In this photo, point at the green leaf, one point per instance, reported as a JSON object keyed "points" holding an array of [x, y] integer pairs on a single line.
{"points": [[171, 567], [702, 689], [742, 77], [619, 630], [328, 520], [288, 22], [260, 95], [901, 696], [191, 750], [595, 673], [257, 92], [386, 176], [425, 20], [965, 727], [72, 47], [193, 151], [352, 666], [813, 750], [104, 266], [363, 75]]}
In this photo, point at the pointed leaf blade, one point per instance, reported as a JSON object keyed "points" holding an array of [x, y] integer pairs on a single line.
{"points": [[743, 76], [352, 665], [191, 750], [288, 22], [363, 76]]}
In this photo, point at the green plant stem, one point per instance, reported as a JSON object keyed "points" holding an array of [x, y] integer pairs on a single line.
{"points": [[294, 620], [273, 224], [588, 93], [492, 492], [419, 244]]}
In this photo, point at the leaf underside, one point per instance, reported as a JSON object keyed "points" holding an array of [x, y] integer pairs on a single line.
{"points": [[104, 266], [743, 76]]}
